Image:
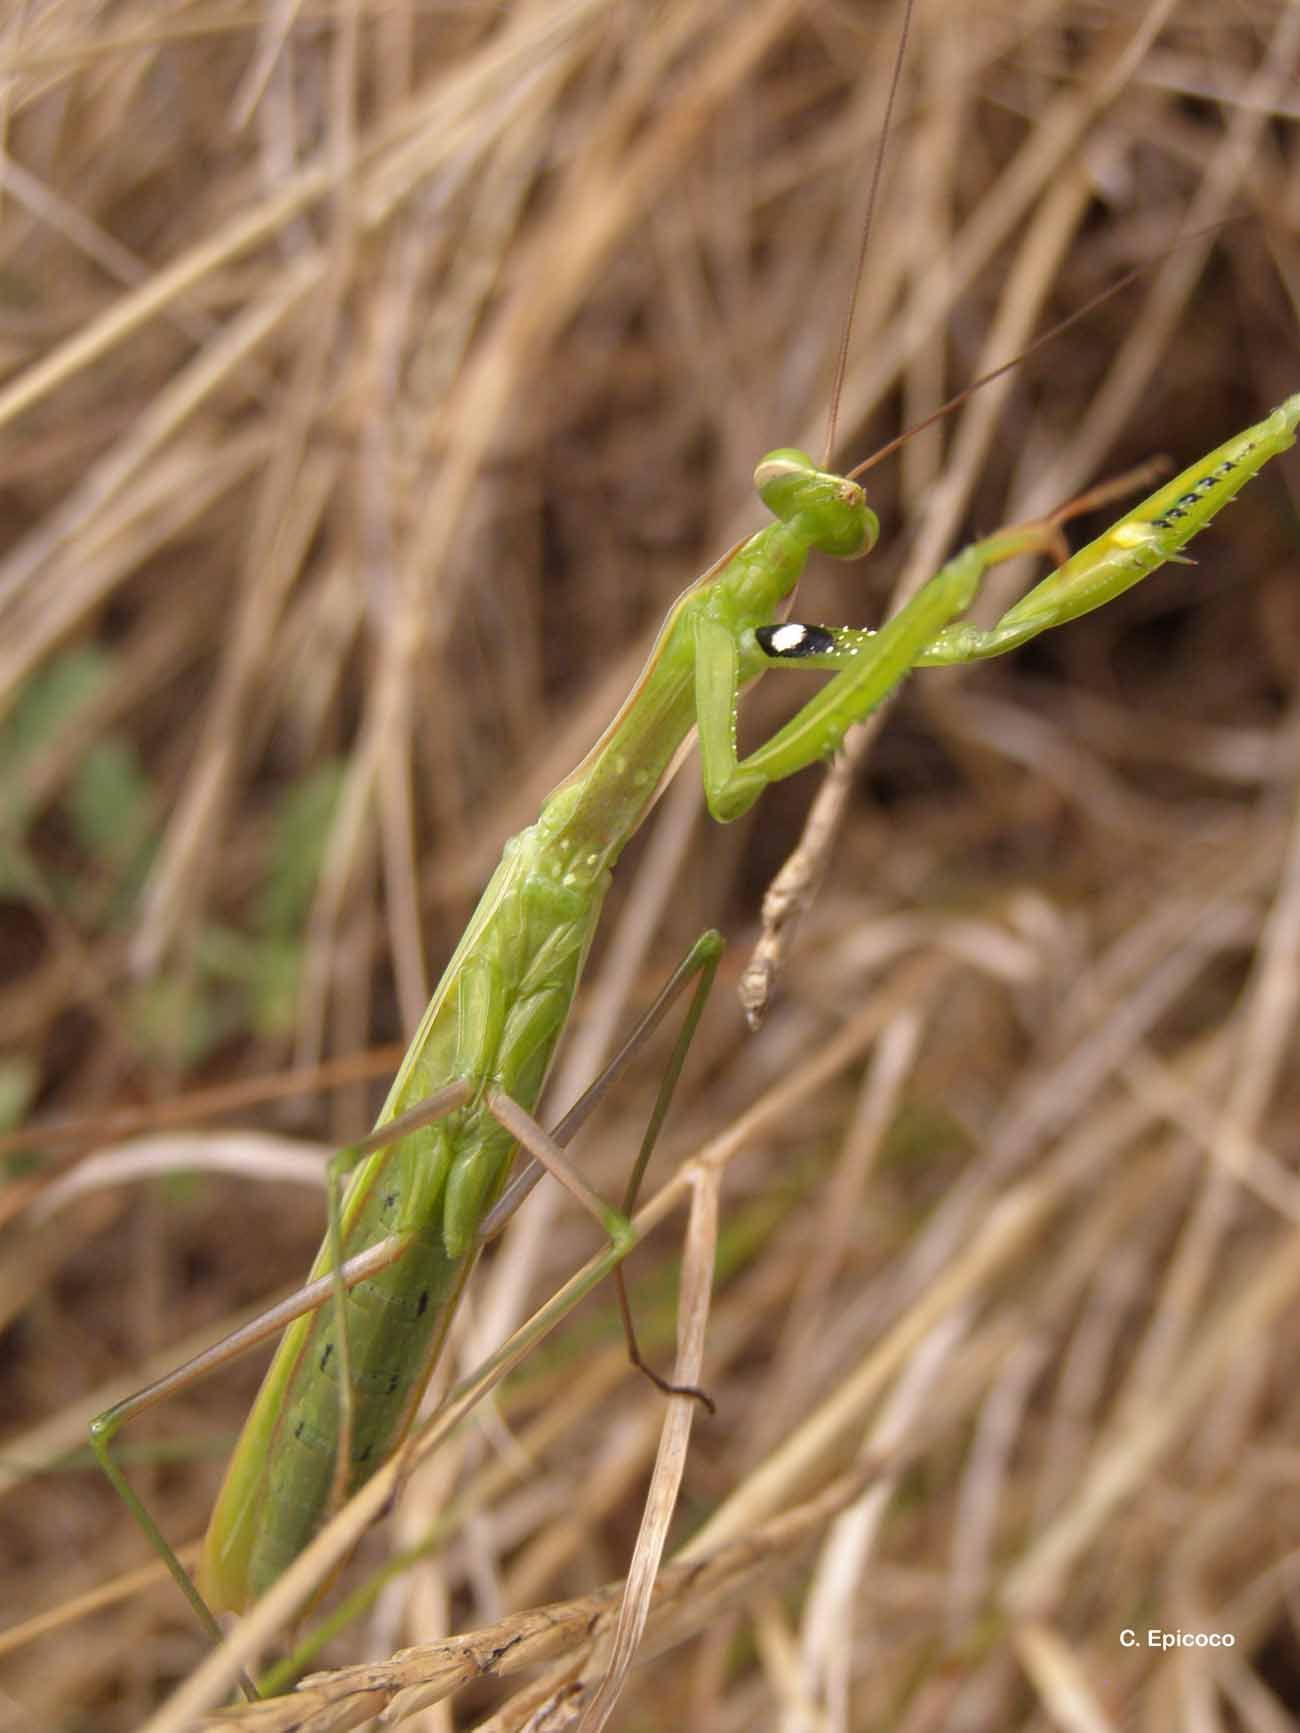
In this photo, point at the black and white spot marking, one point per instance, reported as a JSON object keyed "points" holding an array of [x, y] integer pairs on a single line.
{"points": [[791, 640]]}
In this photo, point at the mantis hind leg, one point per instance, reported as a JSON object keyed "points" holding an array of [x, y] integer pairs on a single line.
{"points": [[700, 965], [105, 1427], [272, 1322]]}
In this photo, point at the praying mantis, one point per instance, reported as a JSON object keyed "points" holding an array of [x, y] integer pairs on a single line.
{"points": [[489, 1033], [486, 1043], [711, 671], [347, 1378]]}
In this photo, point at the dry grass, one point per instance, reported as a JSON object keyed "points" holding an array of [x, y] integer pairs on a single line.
{"points": [[374, 373]]}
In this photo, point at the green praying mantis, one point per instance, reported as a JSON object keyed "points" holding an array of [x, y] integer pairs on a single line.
{"points": [[426, 1187], [429, 1185]]}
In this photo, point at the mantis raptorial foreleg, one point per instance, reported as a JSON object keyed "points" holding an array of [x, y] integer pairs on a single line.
{"points": [[868, 665]]}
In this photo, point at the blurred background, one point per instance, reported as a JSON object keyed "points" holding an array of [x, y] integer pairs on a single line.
{"points": [[373, 374]]}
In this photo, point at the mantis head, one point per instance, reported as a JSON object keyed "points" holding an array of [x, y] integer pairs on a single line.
{"points": [[829, 511]]}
